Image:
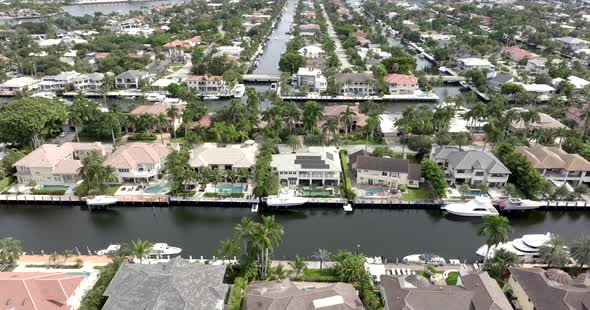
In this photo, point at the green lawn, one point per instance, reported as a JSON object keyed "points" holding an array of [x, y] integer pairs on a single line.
{"points": [[5, 183], [452, 278], [347, 182], [111, 189], [225, 195], [410, 157], [315, 275], [422, 193]]}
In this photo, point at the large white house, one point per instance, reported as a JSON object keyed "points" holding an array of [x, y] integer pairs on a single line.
{"points": [[224, 156], [131, 79], [22, 83], [313, 78], [355, 83], [53, 164], [311, 51], [470, 167], [318, 166], [72, 78], [138, 162], [206, 84], [367, 169], [475, 63]]}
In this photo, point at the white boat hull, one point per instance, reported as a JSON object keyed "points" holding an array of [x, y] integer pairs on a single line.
{"points": [[101, 201], [277, 202]]}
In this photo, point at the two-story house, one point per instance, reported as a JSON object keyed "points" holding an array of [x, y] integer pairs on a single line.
{"points": [[52, 164], [138, 162], [390, 172], [311, 51], [224, 156], [355, 83], [555, 164], [318, 166], [206, 84], [470, 167], [59, 81], [537, 66], [312, 78], [401, 84], [131, 79], [475, 63]]}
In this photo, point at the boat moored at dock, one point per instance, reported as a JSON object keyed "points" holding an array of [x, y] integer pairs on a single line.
{"points": [[478, 207], [163, 250], [112, 248], [527, 246], [518, 204], [101, 201], [424, 259]]}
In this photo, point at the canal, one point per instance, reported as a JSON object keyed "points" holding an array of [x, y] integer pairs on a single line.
{"points": [[389, 233], [117, 7]]}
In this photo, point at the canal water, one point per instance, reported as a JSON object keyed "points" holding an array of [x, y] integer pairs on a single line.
{"points": [[389, 233], [117, 7]]}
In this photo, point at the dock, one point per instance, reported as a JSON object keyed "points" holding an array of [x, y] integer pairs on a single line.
{"points": [[418, 96], [260, 78]]}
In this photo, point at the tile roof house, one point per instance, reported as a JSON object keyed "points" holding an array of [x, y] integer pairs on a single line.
{"points": [[37, 290], [475, 291], [177, 284], [556, 164], [470, 167], [311, 51], [545, 122], [401, 84], [517, 54], [537, 65], [52, 164], [552, 289], [309, 29], [159, 108], [383, 171], [287, 295], [224, 156], [576, 114], [359, 120], [319, 165], [138, 161]]}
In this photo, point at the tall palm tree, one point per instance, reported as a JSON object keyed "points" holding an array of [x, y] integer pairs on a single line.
{"points": [[216, 177], [373, 122], [291, 115], [265, 237], [244, 231], [173, 114], [10, 250], [496, 229], [347, 118], [294, 143], [331, 128], [499, 264], [142, 249], [554, 252], [580, 250], [312, 113], [162, 122], [228, 248], [322, 255]]}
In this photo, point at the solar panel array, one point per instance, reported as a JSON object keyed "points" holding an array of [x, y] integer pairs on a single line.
{"points": [[311, 162]]}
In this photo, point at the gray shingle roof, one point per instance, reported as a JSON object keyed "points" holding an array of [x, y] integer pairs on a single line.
{"points": [[382, 164], [177, 284], [467, 160], [132, 74]]}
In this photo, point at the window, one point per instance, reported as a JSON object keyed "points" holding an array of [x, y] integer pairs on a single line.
{"points": [[479, 173], [460, 171], [384, 173], [123, 170]]}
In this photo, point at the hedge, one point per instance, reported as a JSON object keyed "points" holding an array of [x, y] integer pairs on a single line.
{"points": [[142, 137], [347, 182], [44, 191], [237, 293], [225, 195]]}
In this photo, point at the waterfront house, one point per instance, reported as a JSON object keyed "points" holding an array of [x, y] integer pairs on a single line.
{"points": [[475, 63], [138, 162], [355, 84], [361, 37], [22, 83], [470, 167], [334, 112], [313, 78], [52, 164], [545, 122], [161, 108], [577, 82], [537, 66], [390, 172], [373, 54], [401, 84], [517, 54], [573, 43], [318, 166], [176, 49], [442, 39], [176, 284], [224, 156], [499, 79], [309, 29], [131, 79], [311, 51], [474, 291], [72, 80], [40, 290], [287, 295], [206, 84], [542, 91], [552, 289], [557, 165]]}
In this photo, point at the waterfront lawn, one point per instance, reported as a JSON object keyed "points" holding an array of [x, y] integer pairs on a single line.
{"points": [[5, 183], [110, 189], [452, 278], [224, 195], [316, 275], [422, 193]]}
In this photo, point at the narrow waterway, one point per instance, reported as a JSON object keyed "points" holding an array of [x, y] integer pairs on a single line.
{"points": [[116, 7], [198, 231]]}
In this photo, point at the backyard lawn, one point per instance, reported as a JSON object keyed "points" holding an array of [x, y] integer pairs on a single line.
{"points": [[422, 193], [315, 275], [4, 183], [410, 157]]}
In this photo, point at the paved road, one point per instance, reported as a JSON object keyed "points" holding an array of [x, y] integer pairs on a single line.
{"points": [[340, 52], [183, 72]]}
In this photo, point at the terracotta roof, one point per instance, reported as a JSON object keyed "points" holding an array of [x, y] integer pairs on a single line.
{"points": [[50, 155], [131, 154], [154, 109], [4, 58], [204, 122], [37, 290], [310, 27], [517, 53], [334, 111], [400, 79], [543, 157], [101, 55], [177, 44]]}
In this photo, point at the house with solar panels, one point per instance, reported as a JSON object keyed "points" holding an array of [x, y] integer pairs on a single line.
{"points": [[319, 166]]}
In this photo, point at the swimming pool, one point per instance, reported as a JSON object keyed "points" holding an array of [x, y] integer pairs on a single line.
{"points": [[157, 189], [371, 191], [473, 192], [56, 187], [226, 188]]}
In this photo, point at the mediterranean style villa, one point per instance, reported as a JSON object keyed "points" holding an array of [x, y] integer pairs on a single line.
{"points": [[224, 156], [138, 161]]}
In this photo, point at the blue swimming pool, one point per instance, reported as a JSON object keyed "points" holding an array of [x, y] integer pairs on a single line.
{"points": [[371, 191], [56, 187], [157, 189], [474, 192], [227, 188]]}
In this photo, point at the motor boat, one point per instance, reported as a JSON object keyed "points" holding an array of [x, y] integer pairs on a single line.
{"points": [[480, 206], [424, 259], [101, 201], [210, 97], [112, 248], [527, 246], [239, 90], [163, 250], [514, 204], [155, 97], [44, 94], [284, 201]]}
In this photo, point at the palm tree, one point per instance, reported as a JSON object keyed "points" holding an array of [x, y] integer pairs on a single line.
{"points": [[330, 127], [279, 272], [554, 252], [173, 114], [216, 177], [312, 113], [322, 255], [162, 122], [499, 264], [373, 122], [265, 237], [291, 114], [347, 118], [496, 229], [351, 268], [294, 143], [10, 250], [581, 189], [142, 249], [244, 231], [229, 248], [67, 254], [580, 250], [298, 266]]}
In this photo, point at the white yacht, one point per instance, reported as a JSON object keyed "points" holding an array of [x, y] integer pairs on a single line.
{"points": [[155, 97], [44, 94], [424, 259], [210, 97], [480, 206], [109, 250], [284, 201], [514, 204], [239, 90], [101, 201], [163, 250], [527, 246]]}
